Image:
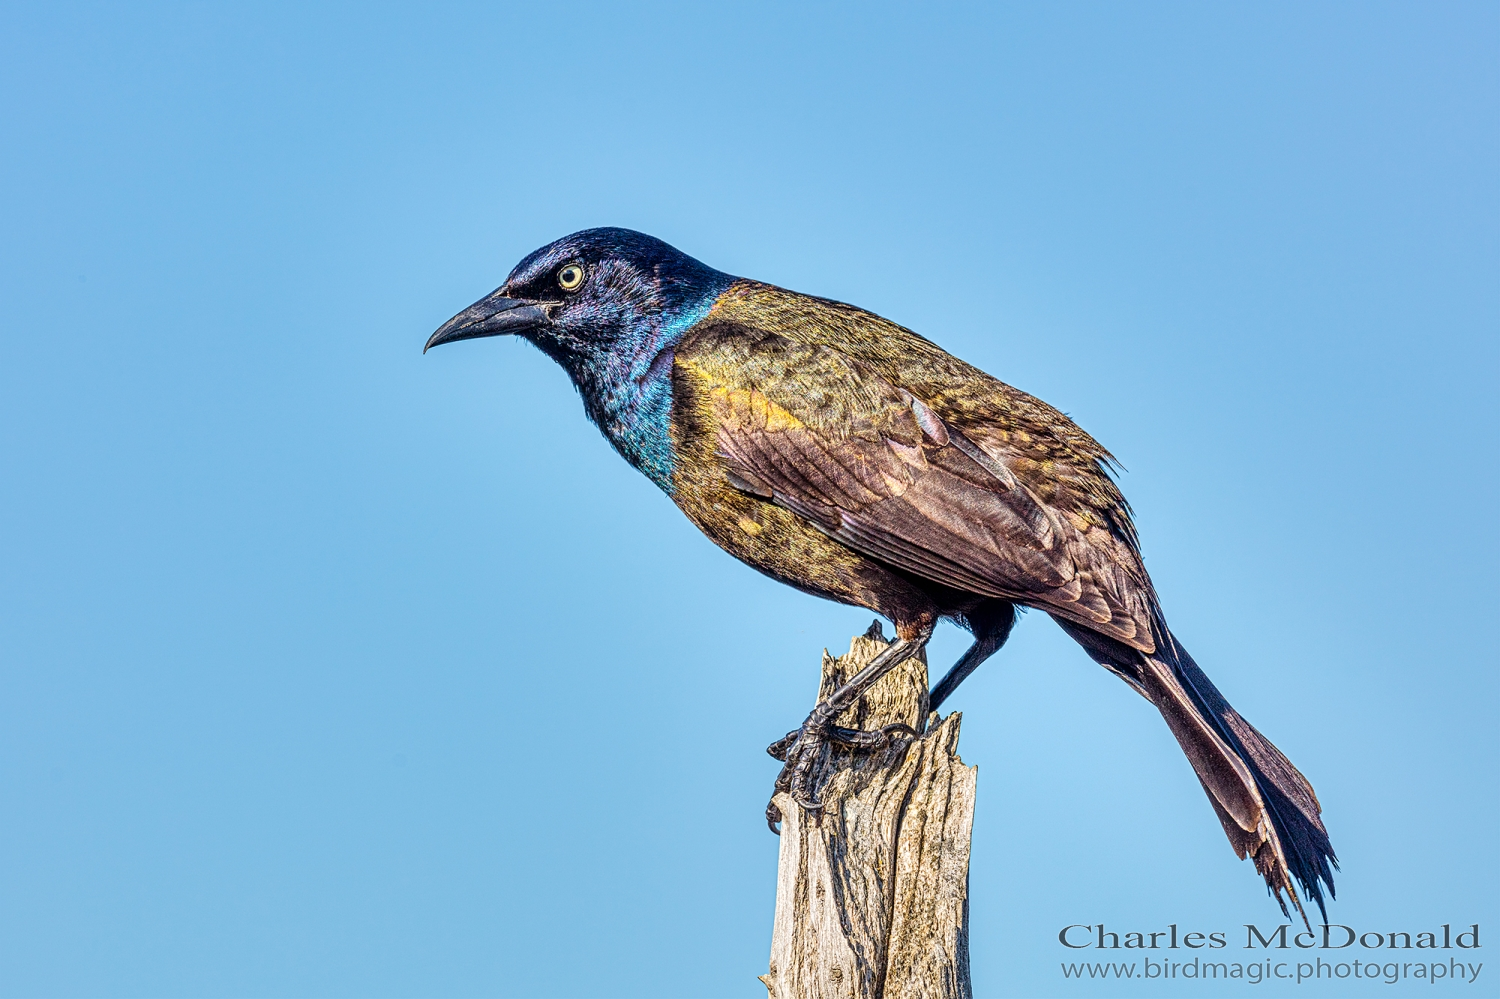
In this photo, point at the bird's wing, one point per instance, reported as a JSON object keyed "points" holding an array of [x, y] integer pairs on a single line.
{"points": [[873, 466]]}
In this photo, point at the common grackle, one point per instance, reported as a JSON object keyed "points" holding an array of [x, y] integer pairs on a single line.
{"points": [[849, 457]]}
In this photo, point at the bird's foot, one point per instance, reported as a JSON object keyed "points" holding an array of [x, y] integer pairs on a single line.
{"points": [[801, 748]]}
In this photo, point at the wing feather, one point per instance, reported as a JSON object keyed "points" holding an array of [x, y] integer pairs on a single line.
{"points": [[881, 471]]}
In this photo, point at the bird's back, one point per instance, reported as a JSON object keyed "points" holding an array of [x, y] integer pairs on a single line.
{"points": [[872, 435], [1055, 458]]}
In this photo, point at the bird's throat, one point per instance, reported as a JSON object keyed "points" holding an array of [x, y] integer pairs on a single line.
{"points": [[628, 391]]}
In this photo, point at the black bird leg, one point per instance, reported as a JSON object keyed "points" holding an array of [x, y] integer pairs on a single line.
{"points": [[800, 749], [971, 660], [991, 626]]}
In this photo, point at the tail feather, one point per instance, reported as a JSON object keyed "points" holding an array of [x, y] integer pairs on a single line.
{"points": [[1300, 841], [1268, 809]]}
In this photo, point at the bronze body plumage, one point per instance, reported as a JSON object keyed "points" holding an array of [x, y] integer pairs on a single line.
{"points": [[882, 457]]}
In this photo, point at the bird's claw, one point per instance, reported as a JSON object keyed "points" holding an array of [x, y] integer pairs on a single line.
{"points": [[878, 739], [782, 746], [800, 749]]}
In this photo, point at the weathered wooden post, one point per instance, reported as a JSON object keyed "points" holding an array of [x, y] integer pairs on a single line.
{"points": [[872, 896]]}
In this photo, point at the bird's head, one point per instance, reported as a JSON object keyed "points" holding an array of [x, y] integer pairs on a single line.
{"points": [[593, 299]]}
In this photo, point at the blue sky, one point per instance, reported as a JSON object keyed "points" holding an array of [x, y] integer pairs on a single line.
{"points": [[330, 669]]}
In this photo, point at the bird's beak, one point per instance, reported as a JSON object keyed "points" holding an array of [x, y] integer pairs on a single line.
{"points": [[490, 316]]}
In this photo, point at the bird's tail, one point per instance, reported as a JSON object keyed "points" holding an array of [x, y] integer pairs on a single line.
{"points": [[1268, 809]]}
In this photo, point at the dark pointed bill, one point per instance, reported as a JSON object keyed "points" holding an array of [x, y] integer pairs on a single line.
{"points": [[491, 316]]}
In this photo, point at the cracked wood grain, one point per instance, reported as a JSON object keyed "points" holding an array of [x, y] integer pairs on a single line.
{"points": [[872, 897]]}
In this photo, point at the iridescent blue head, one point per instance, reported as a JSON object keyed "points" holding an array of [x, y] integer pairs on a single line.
{"points": [[610, 306]]}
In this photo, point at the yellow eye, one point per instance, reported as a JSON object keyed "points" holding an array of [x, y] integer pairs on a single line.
{"points": [[570, 277]]}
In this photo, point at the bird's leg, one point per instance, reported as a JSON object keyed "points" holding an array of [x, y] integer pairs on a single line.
{"points": [[800, 749], [983, 647], [991, 623]]}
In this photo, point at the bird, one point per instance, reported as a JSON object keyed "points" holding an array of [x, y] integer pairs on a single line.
{"points": [[847, 456]]}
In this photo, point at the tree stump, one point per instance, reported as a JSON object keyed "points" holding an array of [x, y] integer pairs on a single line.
{"points": [[872, 895]]}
